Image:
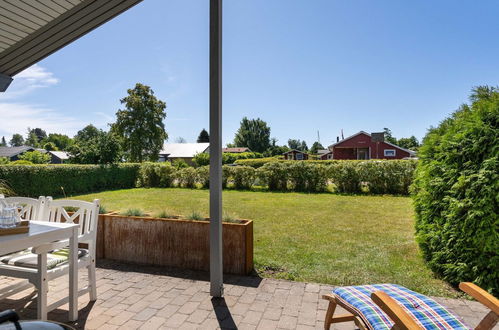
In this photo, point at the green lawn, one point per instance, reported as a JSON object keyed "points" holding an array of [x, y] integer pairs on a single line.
{"points": [[324, 238]]}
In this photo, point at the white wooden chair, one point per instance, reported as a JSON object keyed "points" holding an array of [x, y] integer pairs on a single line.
{"points": [[31, 208], [47, 262]]}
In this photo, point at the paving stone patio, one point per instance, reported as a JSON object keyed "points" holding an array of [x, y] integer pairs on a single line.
{"points": [[137, 297]]}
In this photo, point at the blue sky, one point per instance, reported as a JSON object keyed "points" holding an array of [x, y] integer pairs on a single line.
{"points": [[301, 65]]}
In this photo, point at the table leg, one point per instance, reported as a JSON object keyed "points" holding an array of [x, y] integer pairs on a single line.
{"points": [[42, 287], [73, 275]]}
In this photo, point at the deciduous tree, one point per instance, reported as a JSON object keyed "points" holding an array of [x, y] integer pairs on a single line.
{"points": [[254, 134], [61, 141], [17, 140], [411, 143], [94, 146], [388, 136], [140, 124]]}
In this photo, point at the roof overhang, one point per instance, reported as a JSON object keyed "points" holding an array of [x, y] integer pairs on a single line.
{"points": [[30, 30]]}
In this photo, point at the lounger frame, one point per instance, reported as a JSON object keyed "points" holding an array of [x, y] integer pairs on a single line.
{"points": [[400, 317]]}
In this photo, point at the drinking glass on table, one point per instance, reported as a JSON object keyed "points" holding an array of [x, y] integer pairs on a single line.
{"points": [[9, 216]]}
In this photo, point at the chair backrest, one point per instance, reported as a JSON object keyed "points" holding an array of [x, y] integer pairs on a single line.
{"points": [[31, 208], [86, 214]]}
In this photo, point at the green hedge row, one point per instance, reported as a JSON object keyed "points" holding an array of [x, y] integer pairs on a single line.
{"points": [[203, 159], [60, 180], [259, 162], [376, 177]]}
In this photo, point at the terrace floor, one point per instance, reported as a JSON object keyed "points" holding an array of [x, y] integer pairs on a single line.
{"points": [[137, 297]]}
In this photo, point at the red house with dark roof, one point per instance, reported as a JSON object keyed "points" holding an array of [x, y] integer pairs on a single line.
{"points": [[364, 146]]}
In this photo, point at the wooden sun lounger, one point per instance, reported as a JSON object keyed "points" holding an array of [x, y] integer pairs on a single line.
{"points": [[399, 316]]}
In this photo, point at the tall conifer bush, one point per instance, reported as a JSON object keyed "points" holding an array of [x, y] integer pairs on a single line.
{"points": [[456, 193]]}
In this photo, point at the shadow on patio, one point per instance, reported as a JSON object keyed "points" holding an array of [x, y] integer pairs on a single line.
{"points": [[133, 297]]}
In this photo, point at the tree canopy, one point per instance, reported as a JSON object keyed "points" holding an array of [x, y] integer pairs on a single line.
{"points": [[316, 147], [94, 146], [61, 141], [140, 124], [297, 144], [17, 140], [389, 136], [35, 157], [203, 136], [253, 134]]}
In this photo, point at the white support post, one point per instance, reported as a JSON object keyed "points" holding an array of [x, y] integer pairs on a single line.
{"points": [[73, 275], [42, 287], [216, 262]]}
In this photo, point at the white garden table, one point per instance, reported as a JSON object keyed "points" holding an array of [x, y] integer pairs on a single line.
{"points": [[43, 232]]}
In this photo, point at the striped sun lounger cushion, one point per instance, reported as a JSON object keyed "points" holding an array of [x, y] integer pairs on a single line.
{"points": [[425, 311], [30, 260]]}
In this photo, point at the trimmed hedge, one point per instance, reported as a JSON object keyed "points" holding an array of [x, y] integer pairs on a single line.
{"points": [[456, 194], [203, 159], [60, 180], [380, 177]]}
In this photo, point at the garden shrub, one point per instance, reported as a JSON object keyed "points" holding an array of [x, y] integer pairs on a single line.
{"points": [[4, 160], [35, 157], [274, 175], [156, 175], [187, 177], [180, 163], [21, 162], [317, 178], [243, 176], [203, 176], [456, 193], [256, 163], [345, 176], [306, 176], [148, 175], [226, 173], [60, 180], [298, 175], [203, 159]]}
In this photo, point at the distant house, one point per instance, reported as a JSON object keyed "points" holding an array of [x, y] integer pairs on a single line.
{"points": [[325, 154], [236, 150], [58, 157], [364, 146], [295, 155], [185, 151], [13, 153]]}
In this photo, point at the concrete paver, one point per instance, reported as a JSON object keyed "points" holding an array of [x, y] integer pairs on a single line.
{"points": [[139, 297]]}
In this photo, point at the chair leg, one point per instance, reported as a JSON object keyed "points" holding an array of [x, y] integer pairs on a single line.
{"points": [[42, 287], [92, 281], [329, 314]]}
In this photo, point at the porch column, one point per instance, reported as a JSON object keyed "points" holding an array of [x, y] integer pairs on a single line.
{"points": [[216, 264]]}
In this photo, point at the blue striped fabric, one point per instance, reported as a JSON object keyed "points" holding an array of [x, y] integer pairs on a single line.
{"points": [[425, 311]]}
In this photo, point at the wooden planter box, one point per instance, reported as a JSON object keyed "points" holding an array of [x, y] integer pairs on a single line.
{"points": [[173, 242]]}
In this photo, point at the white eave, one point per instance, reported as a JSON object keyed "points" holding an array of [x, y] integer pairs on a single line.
{"points": [[30, 30]]}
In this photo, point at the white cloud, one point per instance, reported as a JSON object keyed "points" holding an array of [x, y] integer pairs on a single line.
{"points": [[17, 117], [32, 78]]}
